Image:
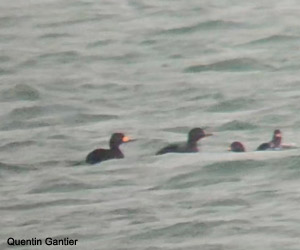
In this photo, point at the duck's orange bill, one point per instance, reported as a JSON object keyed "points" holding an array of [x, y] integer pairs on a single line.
{"points": [[126, 139], [278, 135], [209, 134], [229, 149]]}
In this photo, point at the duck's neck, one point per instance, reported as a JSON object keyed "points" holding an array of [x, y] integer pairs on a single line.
{"points": [[276, 142], [116, 151], [113, 146], [192, 145]]}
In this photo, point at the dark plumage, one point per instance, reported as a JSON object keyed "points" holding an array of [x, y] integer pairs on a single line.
{"points": [[274, 143], [263, 146], [189, 147], [113, 152], [237, 147]]}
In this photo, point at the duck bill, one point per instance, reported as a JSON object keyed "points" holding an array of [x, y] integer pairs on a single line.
{"points": [[208, 134], [127, 139], [229, 149]]}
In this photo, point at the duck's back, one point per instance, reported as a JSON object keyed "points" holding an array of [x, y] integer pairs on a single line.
{"points": [[264, 146], [97, 155], [177, 148], [168, 149], [101, 154]]}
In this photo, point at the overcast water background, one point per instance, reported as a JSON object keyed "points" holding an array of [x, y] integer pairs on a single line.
{"points": [[74, 72]]}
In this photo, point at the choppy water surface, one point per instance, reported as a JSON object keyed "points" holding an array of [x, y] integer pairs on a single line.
{"points": [[73, 72]]}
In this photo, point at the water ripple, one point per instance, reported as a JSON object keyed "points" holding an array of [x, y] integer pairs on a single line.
{"points": [[233, 65], [237, 125], [20, 92], [215, 24]]}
